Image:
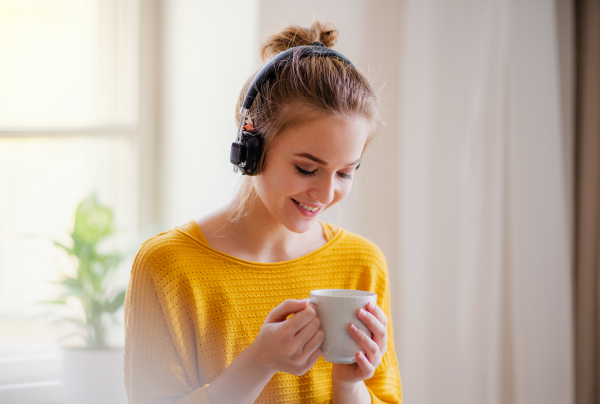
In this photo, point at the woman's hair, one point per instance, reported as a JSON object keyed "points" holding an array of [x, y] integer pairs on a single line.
{"points": [[305, 89]]}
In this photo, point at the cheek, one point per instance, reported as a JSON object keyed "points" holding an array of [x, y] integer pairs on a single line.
{"points": [[280, 183], [342, 191], [346, 188], [274, 183]]}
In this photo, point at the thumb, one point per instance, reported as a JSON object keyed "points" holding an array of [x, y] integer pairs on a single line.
{"points": [[286, 308]]}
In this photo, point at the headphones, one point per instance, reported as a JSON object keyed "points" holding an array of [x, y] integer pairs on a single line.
{"points": [[247, 149]]}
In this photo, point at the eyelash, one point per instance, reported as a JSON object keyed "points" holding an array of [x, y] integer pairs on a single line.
{"points": [[312, 173]]}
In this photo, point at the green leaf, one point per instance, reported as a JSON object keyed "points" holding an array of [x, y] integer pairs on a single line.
{"points": [[64, 247], [75, 287], [73, 283], [92, 221]]}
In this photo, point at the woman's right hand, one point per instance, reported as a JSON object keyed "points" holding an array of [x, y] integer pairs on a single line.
{"points": [[292, 345]]}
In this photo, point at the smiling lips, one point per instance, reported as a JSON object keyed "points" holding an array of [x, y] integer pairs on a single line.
{"points": [[305, 209]]}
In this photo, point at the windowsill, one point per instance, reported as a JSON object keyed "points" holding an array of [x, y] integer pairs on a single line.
{"points": [[32, 379], [48, 392]]}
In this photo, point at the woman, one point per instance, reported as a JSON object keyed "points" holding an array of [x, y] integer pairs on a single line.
{"points": [[216, 310]]}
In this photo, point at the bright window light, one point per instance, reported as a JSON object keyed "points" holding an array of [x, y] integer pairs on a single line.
{"points": [[68, 72], [66, 63]]}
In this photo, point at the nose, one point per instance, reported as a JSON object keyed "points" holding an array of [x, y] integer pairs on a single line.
{"points": [[323, 190]]}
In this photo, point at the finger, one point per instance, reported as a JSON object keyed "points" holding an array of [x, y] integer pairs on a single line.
{"points": [[314, 343], [301, 319], [286, 308], [371, 347], [377, 328], [313, 358], [367, 368], [372, 322], [309, 330], [378, 313]]}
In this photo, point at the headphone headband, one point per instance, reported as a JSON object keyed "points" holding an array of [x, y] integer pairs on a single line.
{"points": [[246, 151], [279, 61]]}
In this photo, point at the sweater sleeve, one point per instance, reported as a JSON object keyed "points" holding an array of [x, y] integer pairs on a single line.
{"points": [[153, 369], [385, 385]]}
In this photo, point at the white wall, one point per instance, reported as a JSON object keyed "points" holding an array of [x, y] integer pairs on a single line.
{"points": [[209, 49], [485, 251]]}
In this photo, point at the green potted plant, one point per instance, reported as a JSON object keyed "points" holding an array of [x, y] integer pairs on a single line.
{"points": [[93, 372]]}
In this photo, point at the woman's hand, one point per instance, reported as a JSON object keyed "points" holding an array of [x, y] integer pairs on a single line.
{"points": [[290, 345], [364, 368]]}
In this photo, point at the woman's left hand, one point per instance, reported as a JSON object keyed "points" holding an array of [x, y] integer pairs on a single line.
{"points": [[375, 348]]}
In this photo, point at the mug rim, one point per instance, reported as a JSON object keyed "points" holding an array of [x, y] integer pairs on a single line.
{"points": [[361, 293]]}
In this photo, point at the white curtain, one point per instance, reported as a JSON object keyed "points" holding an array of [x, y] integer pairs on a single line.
{"points": [[485, 217]]}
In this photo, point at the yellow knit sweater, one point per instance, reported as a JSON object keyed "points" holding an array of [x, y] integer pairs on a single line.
{"points": [[190, 310]]}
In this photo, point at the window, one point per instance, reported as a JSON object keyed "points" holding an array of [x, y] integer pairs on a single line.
{"points": [[76, 101], [67, 63]]}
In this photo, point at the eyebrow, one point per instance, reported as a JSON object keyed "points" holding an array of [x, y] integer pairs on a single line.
{"points": [[318, 160]]}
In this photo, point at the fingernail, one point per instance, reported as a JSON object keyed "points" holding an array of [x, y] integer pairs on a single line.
{"points": [[370, 305], [353, 327], [362, 313]]}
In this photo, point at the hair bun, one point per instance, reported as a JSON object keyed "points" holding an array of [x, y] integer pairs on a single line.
{"points": [[295, 35]]}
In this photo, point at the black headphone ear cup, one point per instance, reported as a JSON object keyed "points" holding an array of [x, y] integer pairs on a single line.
{"points": [[254, 149]]}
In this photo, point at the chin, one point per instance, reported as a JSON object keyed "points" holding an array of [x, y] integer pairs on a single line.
{"points": [[300, 226]]}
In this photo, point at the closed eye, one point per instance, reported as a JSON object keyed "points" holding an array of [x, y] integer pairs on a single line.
{"points": [[304, 172], [312, 173]]}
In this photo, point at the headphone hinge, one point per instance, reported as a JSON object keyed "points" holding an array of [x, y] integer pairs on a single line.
{"points": [[244, 113]]}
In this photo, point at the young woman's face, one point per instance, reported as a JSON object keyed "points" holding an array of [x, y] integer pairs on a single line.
{"points": [[311, 164]]}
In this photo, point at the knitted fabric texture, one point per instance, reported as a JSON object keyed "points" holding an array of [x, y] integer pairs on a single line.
{"points": [[190, 310]]}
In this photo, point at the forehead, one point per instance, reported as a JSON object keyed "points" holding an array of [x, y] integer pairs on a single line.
{"points": [[332, 139]]}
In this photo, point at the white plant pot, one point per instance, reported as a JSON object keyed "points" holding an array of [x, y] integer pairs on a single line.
{"points": [[93, 376]]}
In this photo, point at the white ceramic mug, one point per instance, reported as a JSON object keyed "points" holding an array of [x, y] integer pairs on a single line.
{"points": [[336, 309]]}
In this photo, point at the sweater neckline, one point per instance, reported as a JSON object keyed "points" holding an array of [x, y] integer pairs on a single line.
{"points": [[193, 231]]}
